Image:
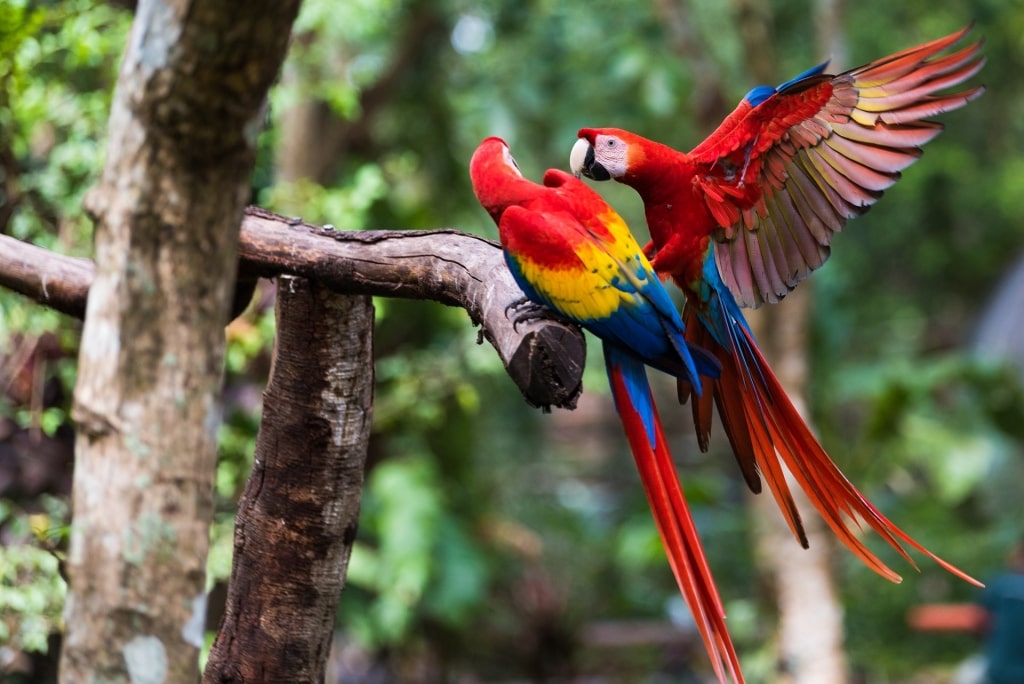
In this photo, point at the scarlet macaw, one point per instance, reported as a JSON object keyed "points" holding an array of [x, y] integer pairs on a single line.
{"points": [[751, 211], [571, 252]]}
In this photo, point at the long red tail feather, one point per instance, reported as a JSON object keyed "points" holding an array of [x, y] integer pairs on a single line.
{"points": [[678, 532], [829, 490], [753, 403]]}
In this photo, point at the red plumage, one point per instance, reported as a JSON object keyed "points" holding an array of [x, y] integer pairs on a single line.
{"points": [[772, 185], [568, 250], [750, 212]]}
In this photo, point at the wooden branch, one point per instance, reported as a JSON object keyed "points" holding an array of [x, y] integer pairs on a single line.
{"points": [[298, 516], [58, 281], [545, 357]]}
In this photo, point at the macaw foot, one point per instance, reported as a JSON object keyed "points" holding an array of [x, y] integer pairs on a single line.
{"points": [[525, 310]]}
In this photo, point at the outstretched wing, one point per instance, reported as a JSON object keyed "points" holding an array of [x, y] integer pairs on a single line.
{"points": [[790, 166]]}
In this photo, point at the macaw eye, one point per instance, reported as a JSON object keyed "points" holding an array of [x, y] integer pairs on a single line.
{"points": [[611, 142]]}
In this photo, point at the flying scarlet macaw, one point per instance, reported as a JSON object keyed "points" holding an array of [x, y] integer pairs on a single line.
{"points": [[571, 252], [751, 211]]}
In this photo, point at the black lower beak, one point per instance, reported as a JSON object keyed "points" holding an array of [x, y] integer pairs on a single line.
{"points": [[592, 169]]}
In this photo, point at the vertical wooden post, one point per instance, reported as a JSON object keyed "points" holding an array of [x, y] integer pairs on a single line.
{"points": [[298, 515]]}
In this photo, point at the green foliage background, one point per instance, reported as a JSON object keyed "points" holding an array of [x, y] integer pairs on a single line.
{"points": [[493, 535]]}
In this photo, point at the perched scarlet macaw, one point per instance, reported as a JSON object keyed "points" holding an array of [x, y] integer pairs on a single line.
{"points": [[572, 253], [751, 211]]}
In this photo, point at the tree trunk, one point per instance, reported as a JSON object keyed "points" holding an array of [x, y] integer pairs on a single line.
{"points": [[298, 516], [286, 580], [182, 130], [810, 646]]}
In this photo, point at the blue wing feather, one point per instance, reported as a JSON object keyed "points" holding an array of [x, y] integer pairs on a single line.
{"points": [[760, 93]]}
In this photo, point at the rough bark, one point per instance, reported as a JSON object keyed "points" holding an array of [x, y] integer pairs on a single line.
{"points": [[182, 128], [298, 515], [544, 357], [810, 640]]}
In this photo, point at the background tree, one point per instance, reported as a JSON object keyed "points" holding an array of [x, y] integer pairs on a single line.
{"points": [[147, 400]]}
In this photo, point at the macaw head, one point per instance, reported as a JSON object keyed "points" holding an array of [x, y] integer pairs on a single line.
{"points": [[491, 169], [493, 158], [608, 153]]}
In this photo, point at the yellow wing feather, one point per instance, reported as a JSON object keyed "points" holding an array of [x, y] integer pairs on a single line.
{"points": [[583, 275]]}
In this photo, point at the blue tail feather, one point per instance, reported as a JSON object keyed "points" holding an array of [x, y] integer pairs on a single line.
{"points": [[721, 314], [638, 391]]}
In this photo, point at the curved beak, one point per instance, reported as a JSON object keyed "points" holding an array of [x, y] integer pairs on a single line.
{"points": [[581, 161]]}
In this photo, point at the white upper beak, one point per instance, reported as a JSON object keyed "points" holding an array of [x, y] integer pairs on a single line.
{"points": [[578, 156]]}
